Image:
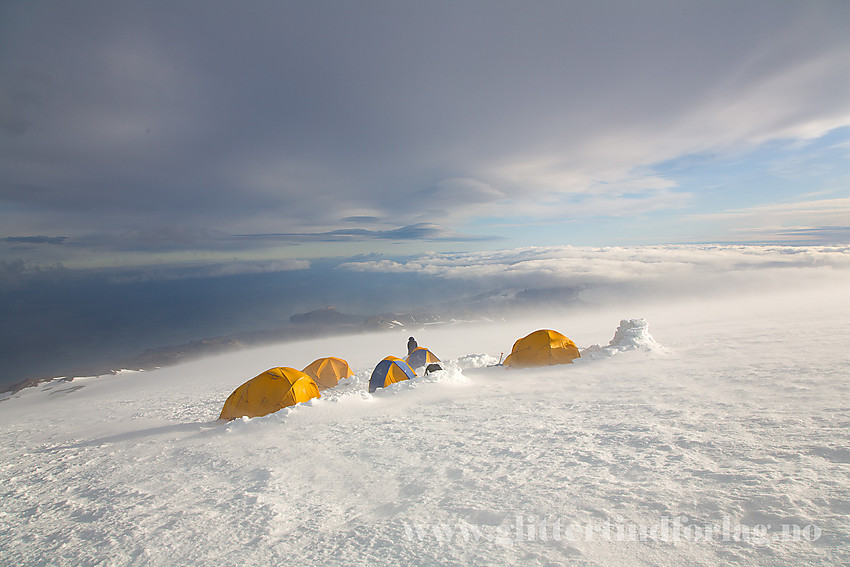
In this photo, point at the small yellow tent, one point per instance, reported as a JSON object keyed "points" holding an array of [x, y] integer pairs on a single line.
{"points": [[328, 371], [272, 390], [542, 348], [421, 356]]}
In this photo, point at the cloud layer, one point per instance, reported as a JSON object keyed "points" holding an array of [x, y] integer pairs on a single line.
{"points": [[631, 273]]}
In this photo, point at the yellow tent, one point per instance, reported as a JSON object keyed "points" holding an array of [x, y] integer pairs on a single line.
{"points": [[328, 371], [272, 390], [542, 348], [421, 356]]}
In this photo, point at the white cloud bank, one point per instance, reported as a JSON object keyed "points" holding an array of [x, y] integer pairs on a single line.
{"points": [[653, 270]]}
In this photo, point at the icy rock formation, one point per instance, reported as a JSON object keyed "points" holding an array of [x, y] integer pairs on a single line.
{"points": [[632, 334]]}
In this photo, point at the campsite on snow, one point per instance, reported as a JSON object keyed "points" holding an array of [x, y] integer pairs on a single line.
{"points": [[693, 444], [282, 387]]}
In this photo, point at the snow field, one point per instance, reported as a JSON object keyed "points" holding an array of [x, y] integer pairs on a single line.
{"points": [[739, 415]]}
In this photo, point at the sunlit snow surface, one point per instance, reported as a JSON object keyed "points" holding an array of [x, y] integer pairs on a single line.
{"points": [[724, 413]]}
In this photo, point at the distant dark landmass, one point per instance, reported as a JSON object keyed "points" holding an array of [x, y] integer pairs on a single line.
{"points": [[327, 316]]}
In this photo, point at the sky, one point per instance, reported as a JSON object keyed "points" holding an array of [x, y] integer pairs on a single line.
{"points": [[252, 149], [147, 133]]}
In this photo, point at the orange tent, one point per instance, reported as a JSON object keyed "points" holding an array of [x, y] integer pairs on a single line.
{"points": [[272, 390], [328, 371], [542, 348]]}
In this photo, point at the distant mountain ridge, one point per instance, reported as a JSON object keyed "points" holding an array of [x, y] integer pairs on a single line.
{"points": [[326, 316]]}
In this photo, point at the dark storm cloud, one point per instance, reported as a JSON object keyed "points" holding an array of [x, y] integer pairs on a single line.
{"points": [[119, 116]]}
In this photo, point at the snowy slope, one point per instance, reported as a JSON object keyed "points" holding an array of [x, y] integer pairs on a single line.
{"points": [[717, 430]]}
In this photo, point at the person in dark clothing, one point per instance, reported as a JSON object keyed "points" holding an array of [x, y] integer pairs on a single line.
{"points": [[411, 345]]}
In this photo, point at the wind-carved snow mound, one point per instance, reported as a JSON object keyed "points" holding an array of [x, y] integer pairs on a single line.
{"points": [[632, 334], [475, 361]]}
